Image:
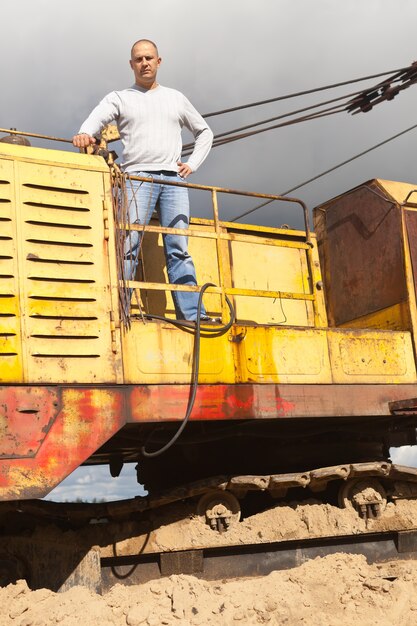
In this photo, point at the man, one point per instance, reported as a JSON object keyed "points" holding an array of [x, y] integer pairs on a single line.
{"points": [[150, 118]]}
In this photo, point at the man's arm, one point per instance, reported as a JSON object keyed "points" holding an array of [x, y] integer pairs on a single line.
{"points": [[105, 112], [203, 139]]}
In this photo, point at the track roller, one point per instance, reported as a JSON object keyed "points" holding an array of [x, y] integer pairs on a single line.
{"points": [[365, 495], [219, 509]]}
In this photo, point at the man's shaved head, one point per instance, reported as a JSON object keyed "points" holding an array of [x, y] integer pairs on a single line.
{"points": [[144, 41]]}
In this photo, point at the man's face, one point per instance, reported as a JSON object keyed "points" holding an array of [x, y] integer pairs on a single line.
{"points": [[145, 63]]}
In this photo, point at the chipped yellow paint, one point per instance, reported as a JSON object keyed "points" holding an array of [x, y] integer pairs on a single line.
{"points": [[285, 355], [157, 352], [376, 356], [396, 317], [59, 290], [55, 279], [53, 157], [11, 363]]}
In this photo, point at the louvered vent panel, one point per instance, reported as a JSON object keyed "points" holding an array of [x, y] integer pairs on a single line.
{"points": [[66, 276], [11, 368]]}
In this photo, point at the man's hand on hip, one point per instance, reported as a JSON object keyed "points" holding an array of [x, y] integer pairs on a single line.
{"points": [[82, 140], [184, 170]]}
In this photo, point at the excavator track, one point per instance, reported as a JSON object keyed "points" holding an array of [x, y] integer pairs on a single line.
{"points": [[61, 544], [401, 483], [252, 560]]}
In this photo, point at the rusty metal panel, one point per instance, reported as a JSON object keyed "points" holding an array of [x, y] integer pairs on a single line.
{"points": [[410, 218], [151, 403], [359, 356], [26, 416], [363, 253], [155, 352], [286, 355], [154, 403], [62, 428]]}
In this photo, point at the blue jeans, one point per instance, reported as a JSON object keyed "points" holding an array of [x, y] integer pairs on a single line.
{"points": [[173, 212]]}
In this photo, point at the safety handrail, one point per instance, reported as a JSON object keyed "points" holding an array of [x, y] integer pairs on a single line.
{"points": [[219, 235], [236, 192]]}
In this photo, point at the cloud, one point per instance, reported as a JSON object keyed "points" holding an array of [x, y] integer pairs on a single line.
{"points": [[406, 455], [95, 483], [224, 54]]}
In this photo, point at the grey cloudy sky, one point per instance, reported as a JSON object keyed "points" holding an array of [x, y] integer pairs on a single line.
{"points": [[59, 59]]}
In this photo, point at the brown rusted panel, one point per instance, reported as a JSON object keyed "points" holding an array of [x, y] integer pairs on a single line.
{"points": [[26, 415], [362, 252], [411, 228], [77, 421], [85, 420], [404, 406], [158, 403]]}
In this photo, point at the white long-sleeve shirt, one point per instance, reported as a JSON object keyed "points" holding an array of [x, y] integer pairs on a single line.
{"points": [[150, 123]]}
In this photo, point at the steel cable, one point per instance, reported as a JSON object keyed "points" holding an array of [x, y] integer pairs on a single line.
{"points": [[351, 105], [331, 169], [303, 93]]}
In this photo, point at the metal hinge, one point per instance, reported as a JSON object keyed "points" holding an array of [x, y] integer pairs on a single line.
{"points": [[113, 328], [106, 220]]}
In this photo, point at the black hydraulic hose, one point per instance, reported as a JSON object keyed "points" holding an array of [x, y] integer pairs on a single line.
{"points": [[219, 330]]}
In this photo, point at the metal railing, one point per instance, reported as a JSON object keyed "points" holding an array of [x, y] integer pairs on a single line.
{"points": [[219, 235]]}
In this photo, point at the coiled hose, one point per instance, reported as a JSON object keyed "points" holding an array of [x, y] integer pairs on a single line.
{"points": [[214, 331]]}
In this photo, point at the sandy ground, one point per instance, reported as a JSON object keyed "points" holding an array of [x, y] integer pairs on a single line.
{"points": [[338, 589], [282, 522]]}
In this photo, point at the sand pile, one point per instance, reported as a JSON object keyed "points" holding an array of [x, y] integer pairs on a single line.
{"points": [[282, 522], [338, 589]]}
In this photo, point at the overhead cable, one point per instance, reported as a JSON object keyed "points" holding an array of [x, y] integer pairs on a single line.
{"points": [[332, 169], [189, 146], [302, 93], [297, 120], [362, 101]]}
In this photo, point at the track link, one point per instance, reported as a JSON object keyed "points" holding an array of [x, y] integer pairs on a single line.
{"points": [[401, 482], [63, 544]]}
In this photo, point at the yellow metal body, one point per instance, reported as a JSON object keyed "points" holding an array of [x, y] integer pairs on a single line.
{"points": [[57, 290], [59, 319]]}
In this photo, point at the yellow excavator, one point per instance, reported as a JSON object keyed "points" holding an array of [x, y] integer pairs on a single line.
{"points": [[302, 388]]}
